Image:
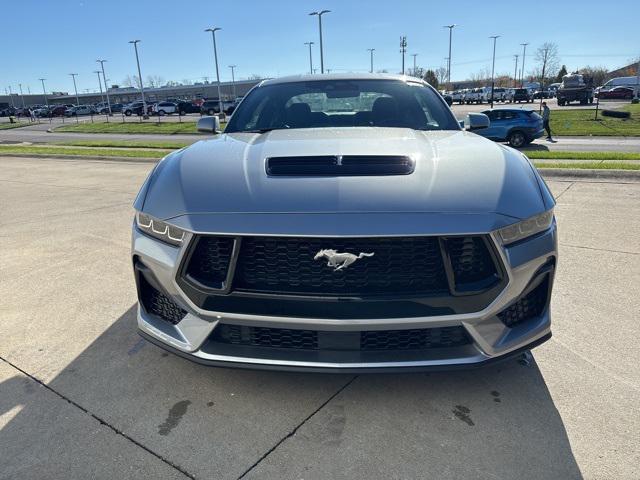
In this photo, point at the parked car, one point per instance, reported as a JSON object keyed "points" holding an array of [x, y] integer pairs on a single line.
{"points": [[57, 110], [187, 107], [7, 111], [104, 109], [517, 126], [499, 94], [136, 108], [457, 96], [517, 95], [252, 248], [41, 112], [80, 110], [624, 93], [165, 108], [538, 94], [210, 107]]}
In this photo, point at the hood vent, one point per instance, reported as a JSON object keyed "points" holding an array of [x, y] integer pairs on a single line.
{"points": [[339, 166]]}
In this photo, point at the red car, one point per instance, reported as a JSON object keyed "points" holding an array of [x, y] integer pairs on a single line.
{"points": [[617, 92], [57, 110]]}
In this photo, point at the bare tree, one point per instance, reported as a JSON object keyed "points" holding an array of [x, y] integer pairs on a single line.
{"points": [[480, 77], [254, 76], [155, 81], [597, 75], [548, 62], [441, 74], [131, 81], [186, 81]]}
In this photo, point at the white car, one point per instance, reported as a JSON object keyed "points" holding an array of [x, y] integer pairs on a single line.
{"points": [[79, 110], [457, 96], [165, 108]]}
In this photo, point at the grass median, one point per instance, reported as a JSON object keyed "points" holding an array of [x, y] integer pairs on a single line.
{"points": [[582, 123], [167, 145], [604, 165], [560, 155], [8, 125], [114, 126], [50, 150]]}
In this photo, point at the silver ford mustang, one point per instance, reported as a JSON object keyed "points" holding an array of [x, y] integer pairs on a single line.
{"points": [[344, 223]]}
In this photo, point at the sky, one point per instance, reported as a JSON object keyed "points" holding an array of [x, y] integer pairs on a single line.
{"points": [[52, 38]]}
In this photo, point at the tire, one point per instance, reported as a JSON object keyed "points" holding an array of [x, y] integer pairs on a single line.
{"points": [[162, 113], [182, 113], [127, 113], [517, 139], [211, 111]]}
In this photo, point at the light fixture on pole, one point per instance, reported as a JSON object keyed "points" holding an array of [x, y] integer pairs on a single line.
{"points": [[524, 53], [106, 88], [450, 27], [403, 50], [44, 91], [319, 14], [309, 44], [213, 31], [515, 72], [144, 102], [493, 66], [371, 50], [233, 80], [75, 87]]}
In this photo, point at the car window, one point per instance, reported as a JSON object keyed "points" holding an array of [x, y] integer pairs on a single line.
{"points": [[343, 103]]}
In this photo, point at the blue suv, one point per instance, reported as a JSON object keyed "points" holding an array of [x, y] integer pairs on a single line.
{"points": [[516, 126]]}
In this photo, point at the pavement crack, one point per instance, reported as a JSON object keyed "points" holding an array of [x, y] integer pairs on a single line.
{"points": [[565, 190], [599, 249], [102, 421], [296, 428]]}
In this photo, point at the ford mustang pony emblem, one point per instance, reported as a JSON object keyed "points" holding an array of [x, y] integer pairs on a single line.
{"points": [[339, 260]]}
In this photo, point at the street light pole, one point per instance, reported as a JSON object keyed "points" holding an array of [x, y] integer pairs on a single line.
{"points": [[75, 87], [450, 27], [44, 91], [403, 50], [144, 102], [414, 55], [21, 95], [106, 88], [310, 57], [319, 14], [233, 80], [99, 84], [11, 96], [371, 50], [515, 72], [524, 53], [213, 31], [493, 66]]}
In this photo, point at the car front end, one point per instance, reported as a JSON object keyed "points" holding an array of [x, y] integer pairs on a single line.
{"points": [[345, 249]]}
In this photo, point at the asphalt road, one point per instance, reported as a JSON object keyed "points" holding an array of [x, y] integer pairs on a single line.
{"points": [[82, 396]]}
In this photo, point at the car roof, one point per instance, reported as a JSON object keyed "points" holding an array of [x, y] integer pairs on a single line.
{"points": [[508, 110], [341, 76]]}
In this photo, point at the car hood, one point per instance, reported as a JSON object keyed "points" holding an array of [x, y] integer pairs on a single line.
{"points": [[456, 172]]}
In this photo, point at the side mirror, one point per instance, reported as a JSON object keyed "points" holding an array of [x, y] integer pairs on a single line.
{"points": [[209, 124], [477, 121]]}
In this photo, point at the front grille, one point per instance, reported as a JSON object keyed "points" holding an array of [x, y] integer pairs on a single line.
{"points": [[410, 265], [158, 304], [209, 260], [389, 340], [470, 260], [416, 339], [530, 306]]}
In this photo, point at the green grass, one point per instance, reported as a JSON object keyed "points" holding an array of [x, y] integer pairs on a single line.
{"points": [[582, 123], [166, 128], [590, 165], [555, 154], [7, 125], [124, 144], [80, 151]]}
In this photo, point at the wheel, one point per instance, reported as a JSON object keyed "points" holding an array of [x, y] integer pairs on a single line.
{"points": [[181, 112], [162, 113], [127, 113], [517, 139]]}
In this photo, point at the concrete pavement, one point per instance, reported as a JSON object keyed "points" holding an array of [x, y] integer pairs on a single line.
{"points": [[112, 406]]}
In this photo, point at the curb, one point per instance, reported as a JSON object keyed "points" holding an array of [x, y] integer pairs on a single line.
{"points": [[591, 174]]}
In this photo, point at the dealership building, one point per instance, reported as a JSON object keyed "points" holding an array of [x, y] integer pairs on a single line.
{"points": [[209, 91]]}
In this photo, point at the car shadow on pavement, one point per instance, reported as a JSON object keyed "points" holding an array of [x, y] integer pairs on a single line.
{"points": [[495, 422]]}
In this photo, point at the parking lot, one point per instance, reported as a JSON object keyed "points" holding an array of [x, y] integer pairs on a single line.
{"points": [[84, 397]]}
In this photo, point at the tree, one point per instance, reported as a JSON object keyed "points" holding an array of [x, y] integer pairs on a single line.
{"points": [[430, 78], [441, 74], [561, 73], [155, 81], [597, 75], [255, 76], [547, 60], [131, 81]]}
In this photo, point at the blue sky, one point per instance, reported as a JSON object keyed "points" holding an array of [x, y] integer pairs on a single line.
{"points": [[54, 38]]}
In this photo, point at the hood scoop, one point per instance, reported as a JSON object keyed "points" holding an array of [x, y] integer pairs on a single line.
{"points": [[339, 166]]}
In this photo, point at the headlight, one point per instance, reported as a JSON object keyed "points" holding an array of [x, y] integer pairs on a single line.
{"points": [[159, 229], [526, 228]]}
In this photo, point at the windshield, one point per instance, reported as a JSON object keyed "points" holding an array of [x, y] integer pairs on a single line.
{"points": [[342, 103]]}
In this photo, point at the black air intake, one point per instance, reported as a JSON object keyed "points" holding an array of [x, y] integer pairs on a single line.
{"points": [[339, 166]]}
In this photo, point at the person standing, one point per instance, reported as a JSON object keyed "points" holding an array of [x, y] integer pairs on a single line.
{"points": [[546, 113]]}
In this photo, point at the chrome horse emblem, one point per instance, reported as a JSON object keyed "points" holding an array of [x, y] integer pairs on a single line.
{"points": [[339, 260]]}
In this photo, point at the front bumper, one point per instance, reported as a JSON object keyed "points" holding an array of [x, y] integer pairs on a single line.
{"points": [[490, 339]]}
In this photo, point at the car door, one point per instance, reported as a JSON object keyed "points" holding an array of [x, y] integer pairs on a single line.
{"points": [[493, 131]]}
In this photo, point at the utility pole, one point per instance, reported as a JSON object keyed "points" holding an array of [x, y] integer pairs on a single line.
{"points": [[544, 66], [99, 85], [144, 103], [371, 50], [309, 44], [524, 53], [75, 87], [106, 88], [637, 80], [493, 66], [213, 31], [515, 73], [11, 96], [403, 50], [44, 91], [414, 55], [21, 95], [450, 27], [319, 14], [233, 80]]}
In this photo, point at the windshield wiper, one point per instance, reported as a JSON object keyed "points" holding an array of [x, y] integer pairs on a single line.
{"points": [[262, 130]]}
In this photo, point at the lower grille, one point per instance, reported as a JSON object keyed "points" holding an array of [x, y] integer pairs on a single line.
{"points": [[158, 304], [280, 338], [530, 306]]}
